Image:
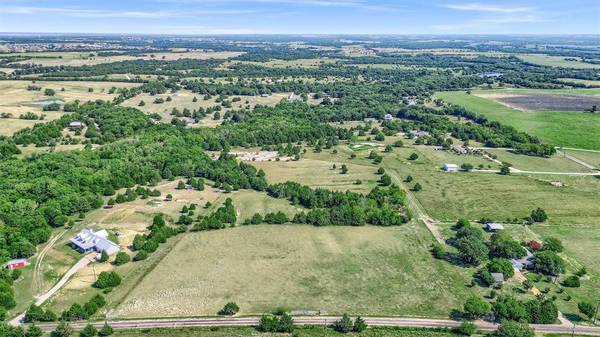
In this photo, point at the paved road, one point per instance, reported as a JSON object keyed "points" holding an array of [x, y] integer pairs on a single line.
{"points": [[45, 296], [373, 321]]}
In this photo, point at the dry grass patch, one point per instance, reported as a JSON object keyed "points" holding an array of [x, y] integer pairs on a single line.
{"points": [[17, 100], [365, 270], [76, 59]]}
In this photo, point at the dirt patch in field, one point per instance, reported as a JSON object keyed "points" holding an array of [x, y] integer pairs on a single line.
{"points": [[259, 156], [545, 102]]}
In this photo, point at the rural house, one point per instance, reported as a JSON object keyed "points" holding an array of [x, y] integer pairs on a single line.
{"points": [[524, 262], [76, 125], [88, 240], [450, 167], [16, 263], [388, 117], [418, 134], [493, 227]]}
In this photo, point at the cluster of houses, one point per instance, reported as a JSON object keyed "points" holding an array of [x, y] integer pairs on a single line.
{"points": [[519, 264], [462, 149]]}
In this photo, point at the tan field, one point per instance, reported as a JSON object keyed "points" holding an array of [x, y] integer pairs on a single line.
{"points": [[184, 99], [17, 100], [84, 58], [369, 270]]}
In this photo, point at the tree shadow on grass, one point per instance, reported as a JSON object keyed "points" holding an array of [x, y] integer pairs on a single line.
{"points": [[575, 318]]}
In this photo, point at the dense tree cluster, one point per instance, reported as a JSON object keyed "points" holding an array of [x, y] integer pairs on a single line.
{"points": [[381, 207]]}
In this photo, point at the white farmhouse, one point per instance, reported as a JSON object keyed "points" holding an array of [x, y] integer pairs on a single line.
{"points": [[87, 240]]}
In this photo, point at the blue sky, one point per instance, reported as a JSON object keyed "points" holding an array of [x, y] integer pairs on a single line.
{"points": [[302, 16]]}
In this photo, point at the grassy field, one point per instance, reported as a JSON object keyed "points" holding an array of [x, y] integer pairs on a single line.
{"points": [[576, 80], [304, 331], [592, 158], [558, 128], [128, 219], [299, 63], [184, 99], [17, 100], [572, 209], [367, 270], [556, 61], [86, 58], [556, 163]]}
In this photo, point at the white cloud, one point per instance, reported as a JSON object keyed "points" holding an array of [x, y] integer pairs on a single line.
{"points": [[479, 7], [97, 13], [358, 4], [486, 24]]}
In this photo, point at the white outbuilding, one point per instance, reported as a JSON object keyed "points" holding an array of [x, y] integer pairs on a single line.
{"points": [[450, 167]]}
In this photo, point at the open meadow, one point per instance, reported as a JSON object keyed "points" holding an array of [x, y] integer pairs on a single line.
{"points": [[183, 99], [15, 99], [368, 270], [569, 129], [557, 61], [572, 210], [76, 59]]}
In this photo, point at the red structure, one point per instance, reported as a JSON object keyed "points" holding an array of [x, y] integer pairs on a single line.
{"points": [[535, 245], [17, 263]]}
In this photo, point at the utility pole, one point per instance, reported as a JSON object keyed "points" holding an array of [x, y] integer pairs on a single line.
{"points": [[596, 313]]}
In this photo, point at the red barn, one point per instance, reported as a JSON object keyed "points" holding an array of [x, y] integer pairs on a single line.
{"points": [[17, 263]]}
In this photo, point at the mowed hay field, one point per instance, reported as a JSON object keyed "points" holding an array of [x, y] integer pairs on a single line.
{"points": [[569, 129], [367, 270], [17, 100]]}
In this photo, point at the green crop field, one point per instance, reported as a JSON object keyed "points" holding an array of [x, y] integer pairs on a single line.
{"points": [[558, 128]]}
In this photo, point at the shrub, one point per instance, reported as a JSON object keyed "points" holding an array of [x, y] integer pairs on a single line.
{"points": [[359, 325], [476, 307], [88, 331], [107, 280], [572, 282], [514, 329], [343, 325], [106, 330], [466, 328], [122, 258], [229, 309]]}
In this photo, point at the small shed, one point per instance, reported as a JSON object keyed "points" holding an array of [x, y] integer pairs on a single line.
{"points": [[16, 263], [493, 227], [450, 167], [388, 117], [498, 277]]}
